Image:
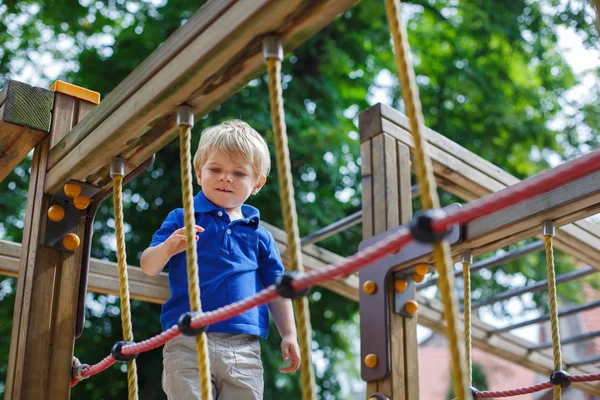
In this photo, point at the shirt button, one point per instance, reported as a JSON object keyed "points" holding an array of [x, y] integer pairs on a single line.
{"points": [[220, 213], [229, 231]]}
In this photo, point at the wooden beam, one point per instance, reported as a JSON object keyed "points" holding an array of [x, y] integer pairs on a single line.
{"points": [[25, 115], [469, 176], [204, 63]]}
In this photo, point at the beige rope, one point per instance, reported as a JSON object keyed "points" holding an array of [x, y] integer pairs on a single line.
{"points": [[124, 283], [467, 316], [428, 196], [290, 219], [553, 311], [185, 136]]}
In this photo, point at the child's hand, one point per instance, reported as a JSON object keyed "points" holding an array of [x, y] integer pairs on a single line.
{"points": [[290, 352], [175, 244]]}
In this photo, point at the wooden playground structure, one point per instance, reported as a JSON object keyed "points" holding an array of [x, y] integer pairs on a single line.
{"points": [[207, 60]]}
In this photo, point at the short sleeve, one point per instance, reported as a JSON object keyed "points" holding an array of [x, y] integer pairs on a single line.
{"points": [[270, 266], [170, 225]]}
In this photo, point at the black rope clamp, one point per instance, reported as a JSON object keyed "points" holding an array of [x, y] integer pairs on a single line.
{"points": [[560, 377], [377, 396], [116, 353], [185, 325], [474, 392], [284, 287], [421, 229]]}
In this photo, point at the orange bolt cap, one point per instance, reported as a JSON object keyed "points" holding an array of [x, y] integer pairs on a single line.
{"points": [[71, 241], [72, 189], [418, 278], [369, 287], [371, 360], [81, 202], [422, 269], [411, 306], [400, 285], [56, 213]]}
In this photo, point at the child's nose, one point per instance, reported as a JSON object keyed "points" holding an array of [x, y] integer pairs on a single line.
{"points": [[226, 177]]}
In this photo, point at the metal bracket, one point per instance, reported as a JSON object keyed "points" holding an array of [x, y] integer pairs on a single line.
{"points": [[56, 231], [374, 308]]}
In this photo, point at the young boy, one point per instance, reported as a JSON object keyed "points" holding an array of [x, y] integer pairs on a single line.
{"points": [[237, 258]]}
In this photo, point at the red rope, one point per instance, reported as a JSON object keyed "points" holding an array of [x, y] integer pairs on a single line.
{"points": [[515, 392], [536, 388], [528, 188]]}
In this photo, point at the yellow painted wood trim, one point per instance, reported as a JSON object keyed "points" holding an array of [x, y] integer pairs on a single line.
{"points": [[76, 91]]}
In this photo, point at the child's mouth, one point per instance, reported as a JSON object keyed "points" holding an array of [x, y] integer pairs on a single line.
{"points": [[224, 190]]}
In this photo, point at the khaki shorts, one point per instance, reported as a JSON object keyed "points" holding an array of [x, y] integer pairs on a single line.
{"points": [[235, 368]]}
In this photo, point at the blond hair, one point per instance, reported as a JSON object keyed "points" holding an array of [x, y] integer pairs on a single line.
{"points": [[238, 139]]}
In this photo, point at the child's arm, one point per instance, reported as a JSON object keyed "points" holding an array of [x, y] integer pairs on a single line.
{"points": [[155, 258], [283, 315]]}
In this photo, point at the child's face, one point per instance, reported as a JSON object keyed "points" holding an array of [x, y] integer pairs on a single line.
{"points": [[227, 181]]}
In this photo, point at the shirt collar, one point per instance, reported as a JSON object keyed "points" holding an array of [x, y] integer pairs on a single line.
{"points": [[203, 205]]}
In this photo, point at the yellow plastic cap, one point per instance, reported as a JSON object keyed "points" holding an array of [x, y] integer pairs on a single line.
{"points": [[71, 241], [56, 213], [400, 285], [81, 202], [371, 360], [422, 269], [72, 189], [411, 307], [369, 287], [418, 278], [76, 91]]}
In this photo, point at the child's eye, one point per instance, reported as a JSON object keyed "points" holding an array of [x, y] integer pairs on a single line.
{"points": [[215, 170], [238, 173]]}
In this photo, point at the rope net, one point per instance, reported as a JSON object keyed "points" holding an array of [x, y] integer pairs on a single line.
{"points": [[527, 189]]}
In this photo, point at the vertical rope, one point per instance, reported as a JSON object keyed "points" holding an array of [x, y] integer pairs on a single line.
{"points": [[467, 315], [124, 283], [553, 311], [428, 195], [185, 136], [290, 219]]}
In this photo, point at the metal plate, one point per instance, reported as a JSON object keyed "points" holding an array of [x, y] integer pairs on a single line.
{"points": [[374, 308]]}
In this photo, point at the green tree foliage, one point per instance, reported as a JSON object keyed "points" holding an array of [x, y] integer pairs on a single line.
{"points": [[490, 78]]}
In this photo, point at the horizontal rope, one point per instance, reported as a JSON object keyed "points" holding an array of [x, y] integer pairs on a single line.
{"points": [[536, 388]]}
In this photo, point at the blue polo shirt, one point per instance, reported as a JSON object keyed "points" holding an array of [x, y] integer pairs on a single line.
{"points": [[236, 259]]}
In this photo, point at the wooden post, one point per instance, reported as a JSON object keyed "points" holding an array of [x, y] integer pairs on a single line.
{"points": [[25, 115], [42, 340], [387, 203]]}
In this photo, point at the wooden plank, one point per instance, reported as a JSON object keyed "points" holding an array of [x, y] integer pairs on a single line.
{"points": [[205, 72], [22, 329]]}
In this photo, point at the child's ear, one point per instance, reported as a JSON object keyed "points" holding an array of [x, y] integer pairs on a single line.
{"points": [[259, 185], [199, 177]]}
